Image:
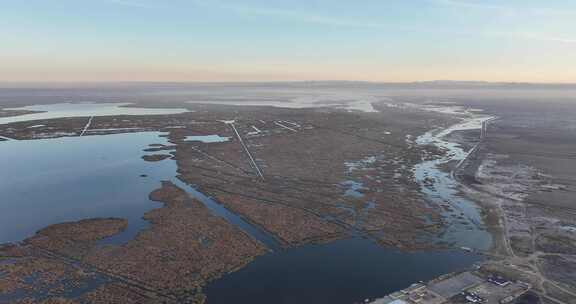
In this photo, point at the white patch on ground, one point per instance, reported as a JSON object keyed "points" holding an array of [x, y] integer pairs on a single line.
{"points": [[553, 187], [444, 109], [571, 229], [285, 127], [432, 137], [113, 129], [510, 184], [52, 135], [513, 181], [360, 164], [291, 123], [348, 102], [255, 132]]}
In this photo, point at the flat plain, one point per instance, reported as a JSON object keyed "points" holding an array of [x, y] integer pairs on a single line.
{"points": [[251, 180]]}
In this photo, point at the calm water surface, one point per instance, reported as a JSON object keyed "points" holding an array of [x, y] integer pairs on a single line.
{"points": [[345, 271], [466, 227], [49, 181], [60, 110], [207, 138]]}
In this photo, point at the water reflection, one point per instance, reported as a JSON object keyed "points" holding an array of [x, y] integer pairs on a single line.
{"points": [[346, 271], [465, 225], [50, 181], [60, 110], [64, 179]]}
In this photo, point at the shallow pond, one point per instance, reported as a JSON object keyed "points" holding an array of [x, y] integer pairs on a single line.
{"points": [[208, 138]]}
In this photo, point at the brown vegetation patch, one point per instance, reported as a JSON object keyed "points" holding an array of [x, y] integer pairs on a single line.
{"points": [[74, 239], [185, 247], [155, 157], [293, 226]]}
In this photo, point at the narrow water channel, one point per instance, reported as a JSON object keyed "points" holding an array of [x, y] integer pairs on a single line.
{"points": [[232, 218], [355, 269], [464, 218]]}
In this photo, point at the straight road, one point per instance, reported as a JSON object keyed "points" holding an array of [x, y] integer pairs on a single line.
{"points": [[252, 161], [87, 126]]}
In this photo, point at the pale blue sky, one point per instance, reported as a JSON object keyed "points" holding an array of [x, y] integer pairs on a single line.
{"points": [[220, 40]]}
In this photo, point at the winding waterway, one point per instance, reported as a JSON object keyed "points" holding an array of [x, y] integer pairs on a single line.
{"points": [[465, 227], [49, 181]]}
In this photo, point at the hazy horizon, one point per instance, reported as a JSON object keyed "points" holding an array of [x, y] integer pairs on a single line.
{"points": [[433, 82], [255, 41]]}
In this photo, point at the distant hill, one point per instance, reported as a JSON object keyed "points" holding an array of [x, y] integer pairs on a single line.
{"points": [[456, 83], [440, 84], [433, 84]]}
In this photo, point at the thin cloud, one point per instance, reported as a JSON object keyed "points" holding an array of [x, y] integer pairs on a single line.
{"points": [[463, 4], [527, 36], [331, 21], [251, 10], [548, 39], [290, 14], [135, 3], [534, 11], [349, 23]]}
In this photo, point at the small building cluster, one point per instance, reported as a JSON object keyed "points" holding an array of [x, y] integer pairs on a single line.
{"points": [[468, 287]]}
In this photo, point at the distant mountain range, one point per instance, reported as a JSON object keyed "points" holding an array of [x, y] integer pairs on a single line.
{"points": [[445, 83], [488, 83], [433, 84]]}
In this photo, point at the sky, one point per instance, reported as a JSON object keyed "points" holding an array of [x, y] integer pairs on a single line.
{"points": [[272, 40]]}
